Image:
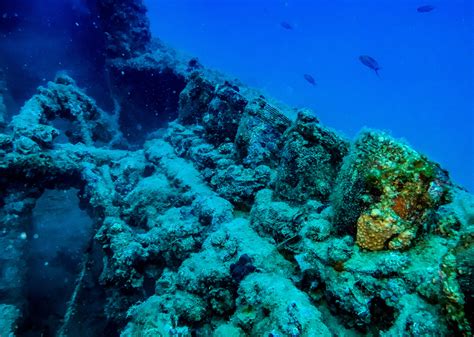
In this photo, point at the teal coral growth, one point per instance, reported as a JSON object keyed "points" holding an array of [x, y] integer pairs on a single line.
{"points": [[387, 192], [228, 215]]}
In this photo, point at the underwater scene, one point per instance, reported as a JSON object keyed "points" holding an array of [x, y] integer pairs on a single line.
{"points": [[234, 168]]}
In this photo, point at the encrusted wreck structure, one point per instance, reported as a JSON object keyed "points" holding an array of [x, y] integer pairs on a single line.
{"points": [[216, 214]]}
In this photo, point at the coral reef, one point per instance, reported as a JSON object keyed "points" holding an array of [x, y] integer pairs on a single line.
{"points": [[310, 159], [61, 100], [222, 216], [277, 310], [388, 191], [259, 134], [9, 314]]}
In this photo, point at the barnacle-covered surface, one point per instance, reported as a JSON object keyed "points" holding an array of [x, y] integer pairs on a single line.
{"points": [[223, 216]]}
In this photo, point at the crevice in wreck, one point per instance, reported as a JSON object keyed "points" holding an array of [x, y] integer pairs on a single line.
{"points": [[59, 235]]}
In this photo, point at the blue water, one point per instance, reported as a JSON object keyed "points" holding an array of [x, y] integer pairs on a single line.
{"points": [[425, 93]]}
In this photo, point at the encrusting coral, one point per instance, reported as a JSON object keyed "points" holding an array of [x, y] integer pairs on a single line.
{"points": [[310, 159], [62, 99], [233, 219], [393, 192]]}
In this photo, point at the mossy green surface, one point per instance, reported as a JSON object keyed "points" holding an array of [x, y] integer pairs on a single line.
{"points": [[393, 192]]}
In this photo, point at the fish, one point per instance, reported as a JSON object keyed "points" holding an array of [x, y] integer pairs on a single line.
{"points": [[425, 9], [286, 25], [370, 62], [310, 79]]}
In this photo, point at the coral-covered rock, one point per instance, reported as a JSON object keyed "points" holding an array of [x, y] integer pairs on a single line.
{"points": [[165, 315], [194, 99], [62, 99], [456, 224], [348, 298], [259, 134], [272, 306], [212, 210], [8, 323], [150, 198], [274, 218], [309, 160], [386, 192], [222, 118], [25, 145], [239, 185], [227, 330], [416, 320]]}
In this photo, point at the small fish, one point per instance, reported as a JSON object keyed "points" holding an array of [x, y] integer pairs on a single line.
{"points": [[370, 62], [425, 9], [286, 25], [310, 79]]}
